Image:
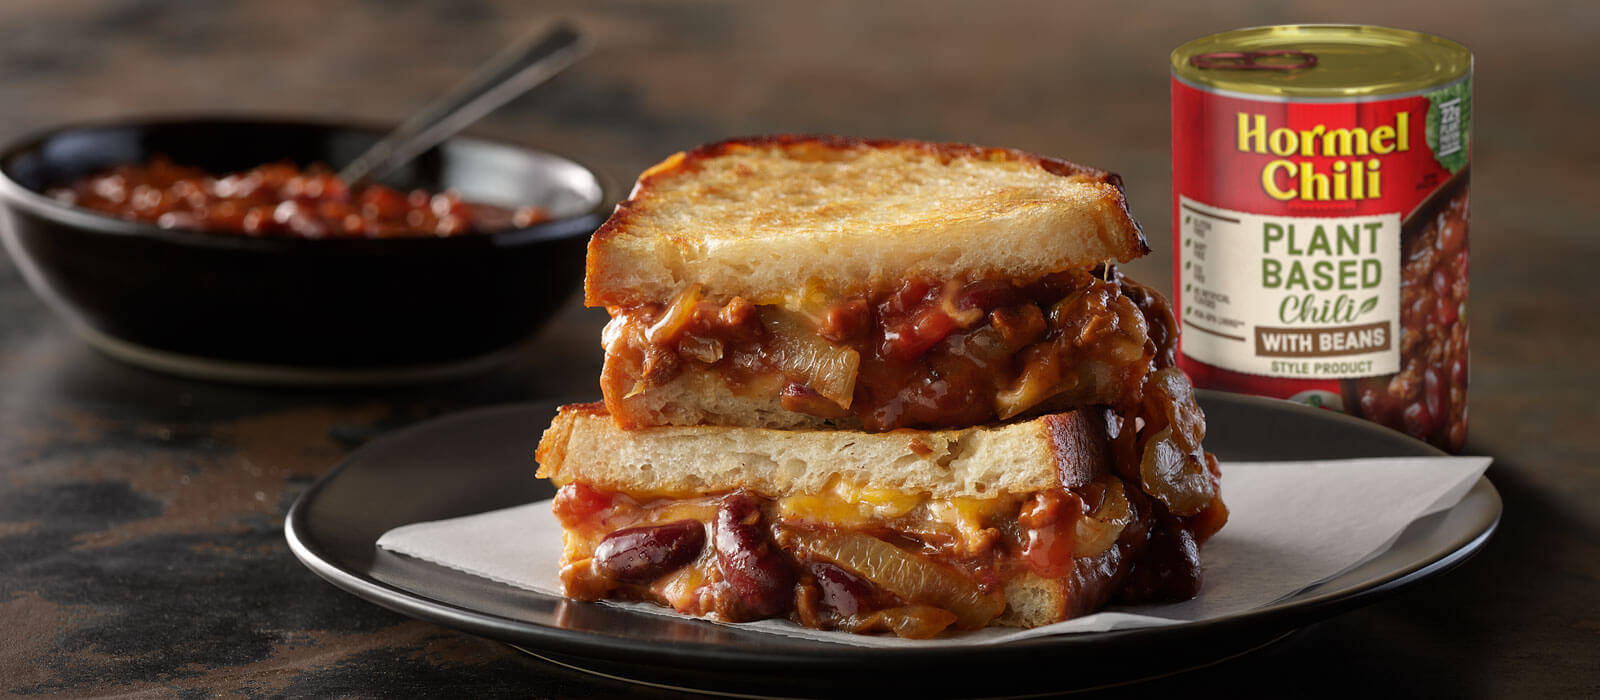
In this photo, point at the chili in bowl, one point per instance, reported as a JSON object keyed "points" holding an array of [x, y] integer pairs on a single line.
{"points": [[224, 248], [282, 199]]}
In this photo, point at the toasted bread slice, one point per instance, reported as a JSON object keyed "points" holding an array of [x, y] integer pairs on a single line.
{"points": [[764, 218], [699, 396], [1054, 451]]}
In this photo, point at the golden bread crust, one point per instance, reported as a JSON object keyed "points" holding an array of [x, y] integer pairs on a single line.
{"points": [[1060, 450], [768, 216]]}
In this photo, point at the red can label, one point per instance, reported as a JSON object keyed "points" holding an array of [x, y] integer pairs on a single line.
{"points": [[1321, 251]]}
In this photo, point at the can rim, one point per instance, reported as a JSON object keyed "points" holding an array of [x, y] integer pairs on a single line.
{"points": [[1264, 61], [1352, 99]]}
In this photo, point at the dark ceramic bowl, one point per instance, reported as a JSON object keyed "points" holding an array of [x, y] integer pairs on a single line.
{"points": [[291, 309]]}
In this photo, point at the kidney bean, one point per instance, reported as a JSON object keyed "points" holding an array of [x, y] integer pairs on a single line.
{"points": [[1452, 234], [113, 188], [379, 202], [1370, 401], [644, 554], [352, 224], [333, 209], [444, 204], [259, 221], [307, 226], [843, 594], [1458, 430], [757, 571], [147, 198], [1433, 391], [451, 225], [1417, 421], [1441, 283], [418, 219], [1169, 568], [1445, 313], [179, 219], [330, 186], [1184, 574], [275, 175], [1420, 308], [226, 215]]}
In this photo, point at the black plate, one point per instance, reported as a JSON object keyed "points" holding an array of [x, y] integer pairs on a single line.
{"points": [[482, 460]]}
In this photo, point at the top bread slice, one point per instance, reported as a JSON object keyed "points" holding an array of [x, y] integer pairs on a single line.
{"points": [[1058, 450], [766, 217]]}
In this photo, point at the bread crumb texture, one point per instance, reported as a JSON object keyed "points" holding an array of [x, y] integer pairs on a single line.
{"points": [[765, 217]]}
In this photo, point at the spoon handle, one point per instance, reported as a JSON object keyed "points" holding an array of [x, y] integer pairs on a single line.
{"points": [[515, 70]]}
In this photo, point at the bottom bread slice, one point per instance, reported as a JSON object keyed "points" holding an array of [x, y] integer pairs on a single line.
{"points": [[908, 532]]}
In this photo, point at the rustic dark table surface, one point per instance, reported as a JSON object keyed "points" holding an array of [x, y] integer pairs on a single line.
{"points": [[141, 545]]}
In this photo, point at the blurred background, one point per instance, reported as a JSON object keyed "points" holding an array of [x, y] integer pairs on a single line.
{"points": [[1083, 81]]}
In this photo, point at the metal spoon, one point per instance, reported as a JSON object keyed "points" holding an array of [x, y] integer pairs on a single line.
{"points": [[516, 69]]}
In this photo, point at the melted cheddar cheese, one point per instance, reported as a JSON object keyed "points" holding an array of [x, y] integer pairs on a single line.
{"points": [[848, 506]]}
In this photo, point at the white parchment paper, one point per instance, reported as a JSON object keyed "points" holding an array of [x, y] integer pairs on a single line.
{"points": [[1292, 525]]}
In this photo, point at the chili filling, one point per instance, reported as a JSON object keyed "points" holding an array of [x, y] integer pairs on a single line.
{"points": [[943, 355], [899, 564], [1428, 396], [925, 355], [282, 199]]}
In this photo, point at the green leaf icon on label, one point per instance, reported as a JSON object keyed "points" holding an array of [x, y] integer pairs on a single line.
{"points": [[1450, 124], [1368, 305]]}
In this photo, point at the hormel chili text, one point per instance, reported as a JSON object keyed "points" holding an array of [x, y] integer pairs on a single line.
{"points": [[1320, 213]]}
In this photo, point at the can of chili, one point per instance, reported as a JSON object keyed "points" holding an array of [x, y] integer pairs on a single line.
{"points": [[1319, 209]]}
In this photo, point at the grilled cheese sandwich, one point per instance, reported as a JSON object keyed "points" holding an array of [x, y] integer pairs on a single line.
{"points": [[880, 386]]}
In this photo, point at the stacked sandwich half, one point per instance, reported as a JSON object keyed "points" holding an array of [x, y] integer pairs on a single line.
{"points": [[880, 386]]}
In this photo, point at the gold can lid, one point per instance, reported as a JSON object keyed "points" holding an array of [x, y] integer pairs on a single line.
{"points": [[1321, 60]]}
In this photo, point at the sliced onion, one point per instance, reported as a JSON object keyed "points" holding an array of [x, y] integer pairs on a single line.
{"points": [[676, 317], [1095, 533], [1040, 379], [703, 350], [1169, 395], [906, 621], [1173, 467], [1175, 477], [911, 577], [795, 347]]}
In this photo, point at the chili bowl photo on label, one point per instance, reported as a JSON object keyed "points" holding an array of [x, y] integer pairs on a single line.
{"points": [[1320, 215]]}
